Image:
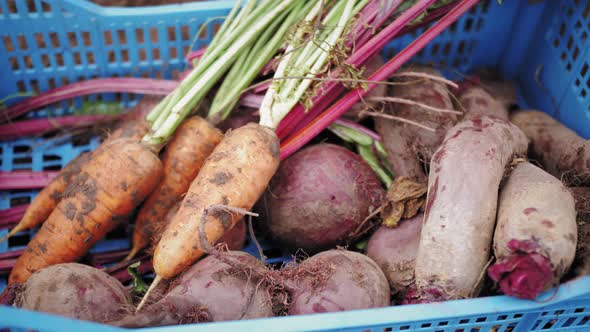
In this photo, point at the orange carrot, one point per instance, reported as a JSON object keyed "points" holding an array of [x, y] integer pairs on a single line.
{"points": [[234, 175], [132, 126], [234, 238], [44, 203], [191, 144], [117, 178]]}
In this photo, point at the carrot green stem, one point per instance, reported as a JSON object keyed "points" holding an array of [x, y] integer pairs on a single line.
{"points": [[250, 64], [328, 116], [212, 66], [306, 62]]}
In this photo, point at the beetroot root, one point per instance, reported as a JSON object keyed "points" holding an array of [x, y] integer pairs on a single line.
{"points": [[460, 213], [582, 260], [406, 144], [319, 196], [477, 103], [536, 234], [560, 150], [211, 290], [379, 91], [76, 291], [395, 250], [337, 280]]}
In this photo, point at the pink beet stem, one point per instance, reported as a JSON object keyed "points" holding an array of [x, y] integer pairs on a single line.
{"points": [[10, 217], [262, 87], [345, 103], [375, 15], [330, 90], [359, 128], [25, 179], [41, 126], [6, 265], [108, 257], [429, 18], [11, 254], [195, 55], [298, 119], [100, 85], [252, 100]]}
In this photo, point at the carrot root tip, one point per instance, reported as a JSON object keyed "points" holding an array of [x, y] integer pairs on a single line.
{"points": [[147, 294]]}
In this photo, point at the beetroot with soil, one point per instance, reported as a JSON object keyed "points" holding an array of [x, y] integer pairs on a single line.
{"points": [[406, 144], [536, 233], [319, 196], [76, 291], [394, 250], [337, 280], [211, 290], [560, 150], [460, 214]]}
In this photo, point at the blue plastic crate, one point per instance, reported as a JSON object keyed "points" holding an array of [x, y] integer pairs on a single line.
{"points": [[48, 43]]}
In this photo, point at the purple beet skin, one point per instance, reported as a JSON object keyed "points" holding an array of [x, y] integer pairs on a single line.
{"points": [[319, 196], [337, 280]]}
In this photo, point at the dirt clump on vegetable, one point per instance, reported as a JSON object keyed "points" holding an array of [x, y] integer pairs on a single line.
{"points": [[404, 199]]}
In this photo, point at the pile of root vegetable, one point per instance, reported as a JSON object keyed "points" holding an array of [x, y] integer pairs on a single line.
{"points": [[388, 183]]}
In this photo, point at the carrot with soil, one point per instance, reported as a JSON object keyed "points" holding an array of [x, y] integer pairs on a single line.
{"points": [[191, 144], [44, 203], [123, 172], [465, 174], [239, 169], [536, 234], [132, 126], [117, 178], [235, 174]]}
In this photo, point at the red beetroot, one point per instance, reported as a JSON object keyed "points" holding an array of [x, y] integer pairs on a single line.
{"points": [[407, 144], [319, 196], [477, 103], [560, 150], [394, 250], [337, 280], [211, 290], [76, 291], [536, 233], [465, 175]]}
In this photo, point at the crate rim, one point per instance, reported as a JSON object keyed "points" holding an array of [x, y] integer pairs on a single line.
{"points": [[391, 315], [91, 7]]}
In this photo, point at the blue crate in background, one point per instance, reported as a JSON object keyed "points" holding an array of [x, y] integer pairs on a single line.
{"points": [[45, 44]]}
